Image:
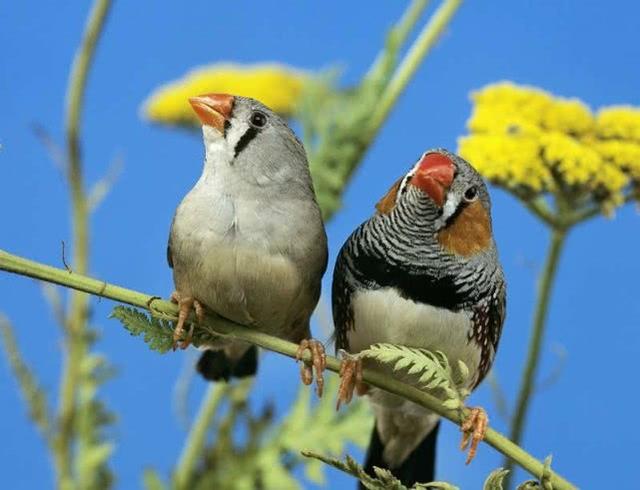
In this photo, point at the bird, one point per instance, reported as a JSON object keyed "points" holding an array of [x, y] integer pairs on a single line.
{"points": [[248, 242], [422, 272]]}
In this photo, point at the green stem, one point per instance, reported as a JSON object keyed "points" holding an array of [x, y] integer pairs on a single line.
{"points": [[540, 208], [32, 392], [585, 214], [401, 31], [75, 344], [197, 436], [220, 326], [527, 385], [423, 44]]}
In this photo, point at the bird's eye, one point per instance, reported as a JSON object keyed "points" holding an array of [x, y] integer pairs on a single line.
{"points": [[471, 194], [258, 119]]}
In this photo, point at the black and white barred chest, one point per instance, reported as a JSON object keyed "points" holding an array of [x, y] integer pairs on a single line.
{"points": [[458, 310]]}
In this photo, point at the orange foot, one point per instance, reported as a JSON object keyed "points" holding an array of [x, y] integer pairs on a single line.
{"points": [[350, 378], [474, 428], [186, 304], [318, 362]]}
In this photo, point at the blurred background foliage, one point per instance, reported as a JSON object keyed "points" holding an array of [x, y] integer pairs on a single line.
{"points": [[565, 162]]}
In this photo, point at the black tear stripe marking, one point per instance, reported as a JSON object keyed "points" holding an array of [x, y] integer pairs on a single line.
{"points": [[227, 125], [244, 140], [417, 286]]}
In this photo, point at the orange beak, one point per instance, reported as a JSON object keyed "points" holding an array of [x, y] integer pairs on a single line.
{"points": [[213, 109], [434, 176]]}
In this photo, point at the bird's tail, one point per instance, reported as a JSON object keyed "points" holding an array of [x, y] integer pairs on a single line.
{"points": [[418, 467], [217, 365]]}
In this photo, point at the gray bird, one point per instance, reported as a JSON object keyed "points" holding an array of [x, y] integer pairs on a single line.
{"points": [[248, 241], [422, 272]]}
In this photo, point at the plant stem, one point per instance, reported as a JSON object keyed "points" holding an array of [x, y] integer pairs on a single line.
{"points": [[558, 237], [540, 208], [197, 435], [587, 213], [75, 342], [32, 392], [402, 30], [422, 45], [220, 326]]}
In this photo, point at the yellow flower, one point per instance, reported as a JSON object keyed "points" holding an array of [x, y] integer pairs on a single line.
{"points": [[531, 142], [625, 155], [507, 160], [277, 86], [621, 122]]}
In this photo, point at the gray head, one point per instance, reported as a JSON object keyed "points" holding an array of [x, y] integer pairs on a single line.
{"points": [[247, 142], [445, 198]]}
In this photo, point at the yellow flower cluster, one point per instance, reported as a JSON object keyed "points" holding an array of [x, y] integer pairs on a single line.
{"points": [[277, 86], [530, 141]]}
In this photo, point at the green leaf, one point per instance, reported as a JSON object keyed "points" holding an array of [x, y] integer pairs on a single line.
{"points": [[464, 370], [383, 480], [545, 479], [157, 333], [430, 370], [529, 485], [151, 480], [495, 479], [435, 484], [452, 403]]}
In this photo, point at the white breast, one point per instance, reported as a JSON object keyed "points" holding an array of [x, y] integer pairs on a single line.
{"points": [[385, 316]]}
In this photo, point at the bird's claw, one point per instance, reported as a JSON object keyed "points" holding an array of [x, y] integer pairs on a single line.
{"points": [[350, 378], [473, 428], [318, 362], [185, 305]]}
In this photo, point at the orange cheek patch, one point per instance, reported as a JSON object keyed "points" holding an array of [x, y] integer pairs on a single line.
{"points": [[469, 233], [388, 202]]}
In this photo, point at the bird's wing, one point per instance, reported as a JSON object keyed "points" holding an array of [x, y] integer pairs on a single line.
{"points": [[492, 316], [341, 294]]}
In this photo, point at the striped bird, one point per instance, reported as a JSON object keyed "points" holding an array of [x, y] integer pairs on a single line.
{"points": [[422, 272]]}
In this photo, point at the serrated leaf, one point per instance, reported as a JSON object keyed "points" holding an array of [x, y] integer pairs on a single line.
{"points": [[157, 334], [430, 370]]}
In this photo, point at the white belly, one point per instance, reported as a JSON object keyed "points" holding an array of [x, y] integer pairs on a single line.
{"points": [[384, 316]]}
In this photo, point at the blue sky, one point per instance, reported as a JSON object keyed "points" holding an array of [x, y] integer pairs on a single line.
{"points": [[582, 49]]}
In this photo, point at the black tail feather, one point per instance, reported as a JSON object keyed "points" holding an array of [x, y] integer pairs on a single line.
{"points": [[215, 365], [419, 467], [247, 365]]}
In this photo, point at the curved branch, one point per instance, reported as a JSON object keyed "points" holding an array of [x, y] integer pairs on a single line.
{"points": [[219, 326]]}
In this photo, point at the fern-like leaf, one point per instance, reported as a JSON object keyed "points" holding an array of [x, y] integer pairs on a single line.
{"points": [[157, 333], [383, 480], [321, 427], [431, 369]]}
